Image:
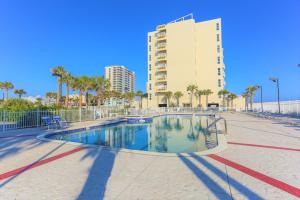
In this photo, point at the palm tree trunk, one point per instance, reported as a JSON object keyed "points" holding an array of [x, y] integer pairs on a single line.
{"points": [[147, 102], [177, 102], [67, 95], [200, 101], [59, 89], [6, 94], [223, 100], [191, 100], [80, 99], [87, 99], [20, 96]]}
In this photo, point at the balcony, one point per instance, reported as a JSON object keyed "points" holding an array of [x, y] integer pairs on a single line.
{"points": [[161, 35], [161, 46], [161, 89], [161, 69], [161, 56], [161, 27], [161, 79]]}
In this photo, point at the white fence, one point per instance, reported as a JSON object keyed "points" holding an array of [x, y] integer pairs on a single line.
{"points": [[28, 119], [286, 107]]}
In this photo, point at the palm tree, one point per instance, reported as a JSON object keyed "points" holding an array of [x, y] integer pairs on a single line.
{"points": [[198, 94], [129, 96], [191, 88], [145, 95], [2, 88], [245, 95], [58, 71], [51, 95], [177, 95], [168, 96], [223, 93], [79, 83], [7, 86], [100, 87], [89, 84], [67, 79], [140, 95], [231, 97], [20, 92], [207, 92], [251, 91]]}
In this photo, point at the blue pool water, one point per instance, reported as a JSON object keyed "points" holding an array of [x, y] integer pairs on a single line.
{"points": [[170, 133]]}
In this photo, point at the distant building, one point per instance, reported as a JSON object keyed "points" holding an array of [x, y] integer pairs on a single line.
{"points": [[121, 79], [185, 52]]}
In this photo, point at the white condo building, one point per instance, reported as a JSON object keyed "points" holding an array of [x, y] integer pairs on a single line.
{"points": [[121, 78]]}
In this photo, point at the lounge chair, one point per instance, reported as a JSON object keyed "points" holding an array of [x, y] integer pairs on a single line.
{"points": [[48, 122], [60, 123]]}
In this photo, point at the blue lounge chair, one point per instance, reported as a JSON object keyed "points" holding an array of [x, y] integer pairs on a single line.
{"points": [[47, 122], [60, 123]]}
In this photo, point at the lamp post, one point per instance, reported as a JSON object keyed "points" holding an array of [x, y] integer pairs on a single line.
{"points": [[261, 97], [276, 80]]}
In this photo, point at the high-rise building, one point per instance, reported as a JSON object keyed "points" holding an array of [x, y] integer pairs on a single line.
{"points": [[121, 79], [185, 52]]}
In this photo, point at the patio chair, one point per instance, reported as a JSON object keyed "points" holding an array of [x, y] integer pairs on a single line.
{"points": [[60, 123], [47, 122]]}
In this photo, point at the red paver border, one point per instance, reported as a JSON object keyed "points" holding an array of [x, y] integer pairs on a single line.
{"points": [[255, 174], [264, 146], [38, 163]]}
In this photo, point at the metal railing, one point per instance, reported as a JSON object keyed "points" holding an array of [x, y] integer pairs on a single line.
{"points": [[30, 119], [286, 107]]}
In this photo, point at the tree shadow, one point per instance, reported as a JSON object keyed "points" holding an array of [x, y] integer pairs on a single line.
{"points": [[14, 145], [214, 187], [99, 173], [231, 181], [32, 164]]}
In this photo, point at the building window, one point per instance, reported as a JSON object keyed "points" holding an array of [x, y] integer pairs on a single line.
{"points": [[150, 96], [218, 26], [218, 48], [149, 47], [219, 60], [150, 87], [149, 57], [149, 67], [219, 82], [219, 71], [150, 77], [218, 37], [149, 39]]}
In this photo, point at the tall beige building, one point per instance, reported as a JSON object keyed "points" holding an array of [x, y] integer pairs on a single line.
{"points": [[181, 53], [121, 79]]}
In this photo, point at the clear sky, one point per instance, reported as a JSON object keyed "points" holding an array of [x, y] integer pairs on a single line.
{"points": [[261, 38]]}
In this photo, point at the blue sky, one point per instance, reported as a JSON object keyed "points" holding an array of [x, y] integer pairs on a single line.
{"points": [[260, 39]]}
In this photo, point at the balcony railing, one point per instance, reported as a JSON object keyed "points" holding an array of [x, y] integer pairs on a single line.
{"points": [[161, 79], [161, 45], [161, 35], [161, 89], [160, 57], [161, 69], [161, 27]]}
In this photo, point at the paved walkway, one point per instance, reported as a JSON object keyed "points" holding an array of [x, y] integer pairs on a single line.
{"points": [[262, 162]]}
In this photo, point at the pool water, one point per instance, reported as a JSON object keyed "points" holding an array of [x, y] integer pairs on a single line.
{"points": [[169, 133]]}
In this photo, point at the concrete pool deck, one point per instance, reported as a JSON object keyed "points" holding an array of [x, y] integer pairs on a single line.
{"points": [[261, 162]]}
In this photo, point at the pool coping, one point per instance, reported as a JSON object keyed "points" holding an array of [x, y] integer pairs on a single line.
{"points": [[222, 142]]}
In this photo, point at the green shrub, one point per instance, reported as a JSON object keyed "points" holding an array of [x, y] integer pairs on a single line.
{"points": [[15, 105]]}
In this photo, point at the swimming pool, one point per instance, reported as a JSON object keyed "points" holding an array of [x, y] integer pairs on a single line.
{"points": [[168, 133]]}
